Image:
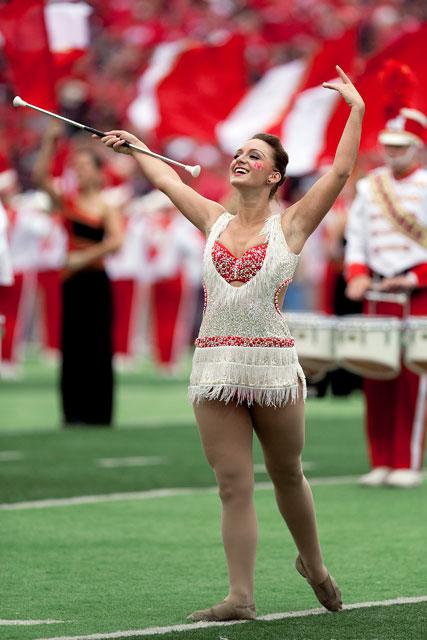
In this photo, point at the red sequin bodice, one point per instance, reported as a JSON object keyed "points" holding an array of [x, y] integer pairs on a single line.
{"points": [[241, 269]]}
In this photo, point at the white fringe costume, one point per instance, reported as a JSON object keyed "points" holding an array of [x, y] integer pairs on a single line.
{"points": [[244, 351]]}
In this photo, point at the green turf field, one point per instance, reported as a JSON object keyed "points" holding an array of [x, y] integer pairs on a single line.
{"points": [[124, 557]]}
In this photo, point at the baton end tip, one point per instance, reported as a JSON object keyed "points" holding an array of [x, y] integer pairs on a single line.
{"points": [[195, 171], [18, 102]]}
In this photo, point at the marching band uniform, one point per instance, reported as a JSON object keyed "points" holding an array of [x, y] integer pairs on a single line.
{"points": [[28, 229], [6, 272], [7, 181], [123, 269], [50, 263], [387, 237], [174, 250]]}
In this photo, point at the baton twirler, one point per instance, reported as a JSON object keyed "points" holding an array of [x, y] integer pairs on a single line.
{"points": [[19, 102]]}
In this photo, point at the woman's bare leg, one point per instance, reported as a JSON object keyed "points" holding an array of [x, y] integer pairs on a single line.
{"points": [[226, 433], [281, 433]]}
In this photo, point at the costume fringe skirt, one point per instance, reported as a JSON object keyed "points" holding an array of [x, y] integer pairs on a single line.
{"points": [[269, 376]]}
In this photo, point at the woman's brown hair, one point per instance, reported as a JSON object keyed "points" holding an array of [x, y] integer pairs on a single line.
{"points": [[281, 158]]}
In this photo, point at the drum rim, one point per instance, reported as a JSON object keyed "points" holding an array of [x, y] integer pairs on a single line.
{"points": [[413, 321], [310, 321], [359, 320]]}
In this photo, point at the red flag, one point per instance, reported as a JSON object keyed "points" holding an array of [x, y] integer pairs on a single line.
{"points": [[406, 49], [204, 85], [305, 119], [27, 52]]}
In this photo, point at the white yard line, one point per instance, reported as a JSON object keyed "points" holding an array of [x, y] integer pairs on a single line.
{"points": [[161, 493], [109, 497], [153, 422], [154, 631], [131, 461], [153, 493], [10, 456], [27, 623], [308, 466]]}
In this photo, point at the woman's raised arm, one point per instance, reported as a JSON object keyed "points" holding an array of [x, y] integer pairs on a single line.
{"points": [[199, 210], [304, 216], [41, 171]]}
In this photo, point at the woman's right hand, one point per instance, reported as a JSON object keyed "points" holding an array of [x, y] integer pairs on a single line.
{"points": [[117, 138], [347, 90]]}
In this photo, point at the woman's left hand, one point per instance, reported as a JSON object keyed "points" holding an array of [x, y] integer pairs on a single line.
{"points": [[347, 90]]}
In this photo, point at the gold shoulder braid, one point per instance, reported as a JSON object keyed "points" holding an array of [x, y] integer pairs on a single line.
{"points": [[403, 221]]}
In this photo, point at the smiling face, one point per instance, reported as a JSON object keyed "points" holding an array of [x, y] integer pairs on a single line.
{"points": [[253, 166]]}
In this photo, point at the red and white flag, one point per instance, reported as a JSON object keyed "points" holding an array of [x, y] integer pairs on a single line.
{"points": [[406, 49], [144, 111], [26, 49], [188, 88], [67, 25], [303, 127], [290, 102], [262, 106], [41, 42]]}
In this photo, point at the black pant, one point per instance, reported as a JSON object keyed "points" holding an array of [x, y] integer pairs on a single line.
{"points": [[87, 374]]}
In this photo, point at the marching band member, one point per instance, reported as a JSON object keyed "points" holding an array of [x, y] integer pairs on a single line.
{"points": [[6, 273], [174, 251], [7, 180], [123, 269], [27, 231], [387, 250], [50, 262]]}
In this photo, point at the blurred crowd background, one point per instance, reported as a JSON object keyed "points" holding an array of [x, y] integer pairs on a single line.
{"points": [[100, 81]]}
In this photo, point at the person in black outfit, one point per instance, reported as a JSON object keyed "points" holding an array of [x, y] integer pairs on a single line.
{"points": [[94, 231]]}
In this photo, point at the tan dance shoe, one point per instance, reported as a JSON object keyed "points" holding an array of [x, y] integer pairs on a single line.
{"points": [[224, 611], [327, 592]]}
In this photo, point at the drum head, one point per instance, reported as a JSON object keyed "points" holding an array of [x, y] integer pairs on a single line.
{"points": [[363, 322], [368, 369], [314, 368], [417, 366]]}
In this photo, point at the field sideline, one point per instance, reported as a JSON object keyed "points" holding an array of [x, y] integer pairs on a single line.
{"points": [[128, 565]]}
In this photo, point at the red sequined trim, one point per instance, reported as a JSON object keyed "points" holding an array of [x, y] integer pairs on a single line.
{"points": [[241, 269], [205, 298], [239, 341], [278, 290]]}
